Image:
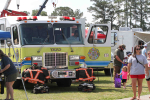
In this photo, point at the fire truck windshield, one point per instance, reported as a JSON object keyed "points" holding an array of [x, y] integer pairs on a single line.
{"points": [[37, 33], [68, 33]]}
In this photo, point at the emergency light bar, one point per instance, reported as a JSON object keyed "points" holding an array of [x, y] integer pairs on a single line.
{"points": [[26, 18], [67, 18]]}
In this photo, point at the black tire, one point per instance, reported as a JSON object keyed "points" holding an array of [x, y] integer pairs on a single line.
{"points": [[64, 83], [107, 72], [17, 84]]}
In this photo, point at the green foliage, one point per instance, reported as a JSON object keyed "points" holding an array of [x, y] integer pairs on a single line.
{"points": [[127, 13], [43, 13], [28, 13], [66, 11]]}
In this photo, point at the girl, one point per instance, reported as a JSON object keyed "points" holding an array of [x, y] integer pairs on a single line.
{"points": [[148, 77], [124, 76], [137, 62]]}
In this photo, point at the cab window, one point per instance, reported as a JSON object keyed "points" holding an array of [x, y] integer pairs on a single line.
{"points": [[15, 35], [98, 35]]}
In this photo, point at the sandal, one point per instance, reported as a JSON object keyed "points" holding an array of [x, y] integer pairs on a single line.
{"points": [[138, 99], [132, 98]]}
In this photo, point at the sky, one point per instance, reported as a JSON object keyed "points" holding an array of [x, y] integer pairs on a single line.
{"points": [[29, 5]]}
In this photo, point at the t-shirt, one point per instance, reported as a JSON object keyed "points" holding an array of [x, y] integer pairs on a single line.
{"points": [[11, 70], [124, 75], [137, 68], [144, 51], [120, 54]]}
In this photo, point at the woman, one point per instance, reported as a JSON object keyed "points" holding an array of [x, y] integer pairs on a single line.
{"points": [[137, 62], [10, 72], [148, 77]]}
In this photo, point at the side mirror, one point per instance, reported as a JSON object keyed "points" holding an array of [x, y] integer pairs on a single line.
{"points": [[9, 43]]}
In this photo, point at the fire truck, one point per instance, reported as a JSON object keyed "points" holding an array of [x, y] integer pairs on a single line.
{"points": [[57, 43]]}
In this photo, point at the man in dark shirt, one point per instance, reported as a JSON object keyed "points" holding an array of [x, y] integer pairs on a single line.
{"points": [[118, 59]]}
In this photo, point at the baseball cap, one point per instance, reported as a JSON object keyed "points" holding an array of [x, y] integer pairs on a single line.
{"points": [[123, 46], [145, 45], [128, 53]]}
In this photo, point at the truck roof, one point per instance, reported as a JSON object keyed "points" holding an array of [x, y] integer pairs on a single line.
{"points": [[13, 19]]}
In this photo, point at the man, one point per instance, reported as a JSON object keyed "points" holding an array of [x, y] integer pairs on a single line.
{"points": [[75, 36], [144, 51], [118, 59]]}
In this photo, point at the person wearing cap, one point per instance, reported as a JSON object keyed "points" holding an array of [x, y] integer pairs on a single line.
{"points": [[118, 59], [144, 51]]}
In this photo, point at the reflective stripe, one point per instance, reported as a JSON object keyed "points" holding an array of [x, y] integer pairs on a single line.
{"points": [[97, 63]]}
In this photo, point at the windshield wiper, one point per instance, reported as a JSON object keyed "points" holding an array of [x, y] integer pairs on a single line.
{"points": [[67, 41], [43, 43]]}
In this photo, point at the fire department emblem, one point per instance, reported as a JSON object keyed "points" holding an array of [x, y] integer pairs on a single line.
{"points": [[93, 53]]}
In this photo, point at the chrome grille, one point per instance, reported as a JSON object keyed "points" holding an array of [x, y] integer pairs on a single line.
{"points": [[55, 60], [60, 59]]}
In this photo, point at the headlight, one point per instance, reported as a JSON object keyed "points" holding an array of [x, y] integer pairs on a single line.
{"points": [[37, 58], [73, 57]]}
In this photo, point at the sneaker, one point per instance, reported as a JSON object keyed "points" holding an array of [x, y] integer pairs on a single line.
{"points": [[124, 87]]}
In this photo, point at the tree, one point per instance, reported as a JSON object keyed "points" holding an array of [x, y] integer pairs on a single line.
{"points": [[103, 11], [78, 14], [87, 24], [28, 13], [43, 13], [66, 11], [63, 11]]}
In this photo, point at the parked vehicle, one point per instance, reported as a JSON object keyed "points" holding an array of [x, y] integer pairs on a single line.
{"points": [[131, 38]]}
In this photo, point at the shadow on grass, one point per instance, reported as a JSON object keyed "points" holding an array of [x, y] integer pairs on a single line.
{"points": [[74, 88]]}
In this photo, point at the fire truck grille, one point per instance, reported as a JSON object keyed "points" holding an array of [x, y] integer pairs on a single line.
{"points": [[55, 59]]}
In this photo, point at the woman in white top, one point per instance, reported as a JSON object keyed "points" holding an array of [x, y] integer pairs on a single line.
{"points": [[148, 77], [137, 62]]}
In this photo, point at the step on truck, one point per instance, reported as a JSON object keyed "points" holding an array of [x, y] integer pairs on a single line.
{"points": [[57, 43]]}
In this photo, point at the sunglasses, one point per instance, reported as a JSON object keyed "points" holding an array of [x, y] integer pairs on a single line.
{"points": [[148, 53], [138, 49]]}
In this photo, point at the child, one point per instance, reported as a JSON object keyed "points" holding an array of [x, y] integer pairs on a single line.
{"points": [[124, 76]]}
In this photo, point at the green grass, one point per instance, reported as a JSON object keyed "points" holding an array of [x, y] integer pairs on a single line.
{"points": [[105, 90]]}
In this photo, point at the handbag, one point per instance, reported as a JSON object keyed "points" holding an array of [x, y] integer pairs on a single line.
{"points": [[139, 62]]}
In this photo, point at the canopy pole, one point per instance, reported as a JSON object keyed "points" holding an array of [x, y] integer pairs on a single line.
{"points": [[20, 73]]}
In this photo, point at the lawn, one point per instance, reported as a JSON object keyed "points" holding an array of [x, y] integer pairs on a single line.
{"points": [[105, 90]]}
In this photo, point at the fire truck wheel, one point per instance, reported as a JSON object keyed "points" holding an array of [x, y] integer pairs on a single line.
{"points": [[64, 83], [107, 72], [17, 84]]}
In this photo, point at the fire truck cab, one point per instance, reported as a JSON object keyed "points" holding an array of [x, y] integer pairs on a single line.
{"points": [[57, 43]]}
